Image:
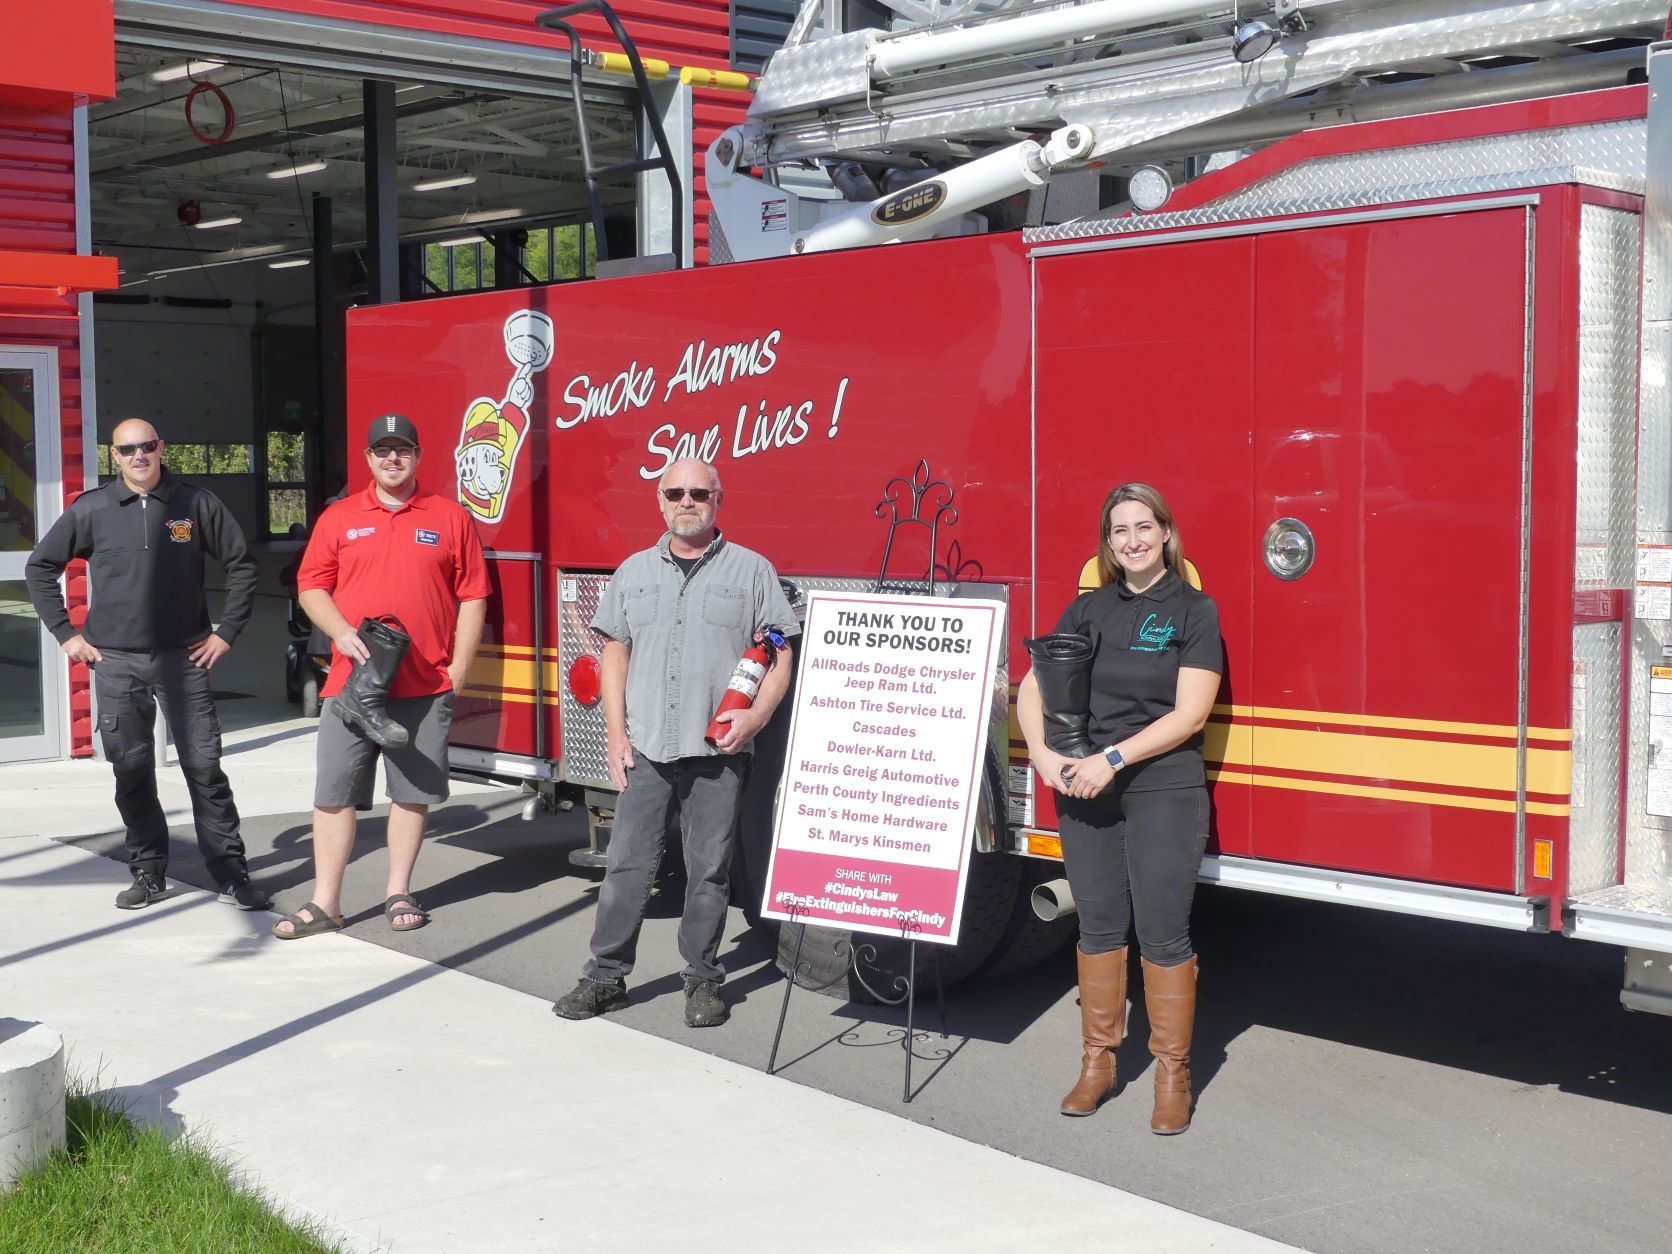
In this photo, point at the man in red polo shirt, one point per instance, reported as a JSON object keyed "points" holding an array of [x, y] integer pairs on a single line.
{"points": [[390, 550]]}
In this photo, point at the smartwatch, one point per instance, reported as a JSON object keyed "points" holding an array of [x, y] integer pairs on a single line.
{"points": [[1113, 757]]}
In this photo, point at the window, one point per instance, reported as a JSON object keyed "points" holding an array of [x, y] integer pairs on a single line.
{"points": [[287, 481], [553, 254], [194, 459]]}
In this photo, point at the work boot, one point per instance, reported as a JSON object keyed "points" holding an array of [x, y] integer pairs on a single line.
{"points": [[1062, 668], [148, 886], [591, 998], [704, 1007], [1102, 1027], [363, 702], [1170, 997]]}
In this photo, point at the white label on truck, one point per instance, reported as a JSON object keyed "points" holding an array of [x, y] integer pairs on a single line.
{"points": [[1653, 598], [1659, 800], [570, 591]]}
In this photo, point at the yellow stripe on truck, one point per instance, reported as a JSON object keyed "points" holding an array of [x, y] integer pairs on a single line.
{"points": [[1443, 763]]}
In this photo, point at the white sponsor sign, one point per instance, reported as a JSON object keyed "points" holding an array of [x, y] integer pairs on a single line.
{"points": [[892, 713]]}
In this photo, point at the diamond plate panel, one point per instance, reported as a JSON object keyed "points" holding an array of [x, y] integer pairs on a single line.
{"points": [[1607, 402], [1640, 898], [719, 247], [1594, 828], [585, 742], [1607, 155]]}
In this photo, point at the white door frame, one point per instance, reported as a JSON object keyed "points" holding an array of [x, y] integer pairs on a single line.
{"points": [[49, 504]]}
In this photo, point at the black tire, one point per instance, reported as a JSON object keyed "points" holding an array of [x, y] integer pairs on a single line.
{"points": [[310, 697], [1028, 940], [989, 900]]}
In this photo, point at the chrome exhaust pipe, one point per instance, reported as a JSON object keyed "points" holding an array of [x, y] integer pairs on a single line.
{"points": [[1053, 900]]}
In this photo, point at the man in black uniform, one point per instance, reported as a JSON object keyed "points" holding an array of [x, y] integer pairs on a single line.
{"points": [[145, 535]]}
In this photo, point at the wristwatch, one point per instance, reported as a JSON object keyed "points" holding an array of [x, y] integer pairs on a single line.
{"points": [[1113, 757]]}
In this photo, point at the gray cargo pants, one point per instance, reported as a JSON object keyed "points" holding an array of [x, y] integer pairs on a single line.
{"points": [[126, 683], [704, 791]]}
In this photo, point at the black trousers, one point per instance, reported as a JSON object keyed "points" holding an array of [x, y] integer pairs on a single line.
{"points": [[127, 684], [1132, 859]]}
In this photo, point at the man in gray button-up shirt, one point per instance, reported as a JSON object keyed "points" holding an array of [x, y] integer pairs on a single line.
{"points": [[678, 616]]}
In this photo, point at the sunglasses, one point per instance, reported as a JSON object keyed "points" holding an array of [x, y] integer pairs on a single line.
{"points": [[699, 495], [383, 452], [144, 446]]}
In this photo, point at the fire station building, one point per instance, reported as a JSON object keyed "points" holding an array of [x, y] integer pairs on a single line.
{"points": [[193, 192]]}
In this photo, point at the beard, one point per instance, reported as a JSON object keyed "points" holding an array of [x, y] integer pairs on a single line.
{"points": [[687, 525]]}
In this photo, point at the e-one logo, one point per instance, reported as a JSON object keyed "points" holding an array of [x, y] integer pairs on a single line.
{"points": [[909, 203]]}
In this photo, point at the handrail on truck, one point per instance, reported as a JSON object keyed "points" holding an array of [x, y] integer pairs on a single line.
{"points": [[557, 19]]}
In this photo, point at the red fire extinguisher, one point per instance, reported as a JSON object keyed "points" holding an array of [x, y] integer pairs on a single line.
{"points": [[745, 682]]}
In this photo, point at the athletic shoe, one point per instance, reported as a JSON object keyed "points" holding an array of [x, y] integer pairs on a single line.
{"points": [[148, 886], [591, 998], [244, 895]]}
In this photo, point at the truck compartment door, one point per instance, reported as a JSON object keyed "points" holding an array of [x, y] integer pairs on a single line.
{"points": [[1389, 438], [504, 694], [1145, 371]]}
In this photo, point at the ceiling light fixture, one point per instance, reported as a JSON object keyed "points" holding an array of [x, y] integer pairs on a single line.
{"points": [[459, 240], [440, 184], [209, 224], [489, 215], [290, 263], [191, 69], [297, 170]]}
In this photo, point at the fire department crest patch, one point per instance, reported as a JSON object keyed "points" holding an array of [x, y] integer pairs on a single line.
{"points": [[179, 530]]}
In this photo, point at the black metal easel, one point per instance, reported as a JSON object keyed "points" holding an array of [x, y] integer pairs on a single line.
{"points": [[858, 955]]}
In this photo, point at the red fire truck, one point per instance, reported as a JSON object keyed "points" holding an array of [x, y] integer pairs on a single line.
{"points": [[1404, 382]]}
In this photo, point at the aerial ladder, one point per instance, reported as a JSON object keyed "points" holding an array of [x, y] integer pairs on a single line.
{"points": [[890, 120]]}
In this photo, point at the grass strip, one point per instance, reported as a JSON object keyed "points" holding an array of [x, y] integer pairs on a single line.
{"points": [[121, 1187]]}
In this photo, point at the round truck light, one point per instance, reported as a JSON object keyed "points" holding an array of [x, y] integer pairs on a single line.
{"points": [[586, 679], [1150, 187], [1289, 550], [1253, 40]]}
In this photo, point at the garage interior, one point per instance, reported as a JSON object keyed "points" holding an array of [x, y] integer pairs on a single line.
{"points": [[240, 198], [236, 196]]}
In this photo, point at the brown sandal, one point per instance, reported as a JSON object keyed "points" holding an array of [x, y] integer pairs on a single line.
{"points": [[404, 903], [300, 927]]}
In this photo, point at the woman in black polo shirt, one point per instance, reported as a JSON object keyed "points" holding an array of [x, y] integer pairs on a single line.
{"points": [[1134, 813]]}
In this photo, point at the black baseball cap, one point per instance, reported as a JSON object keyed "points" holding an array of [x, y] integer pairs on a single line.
{"points": [[392, 427]]}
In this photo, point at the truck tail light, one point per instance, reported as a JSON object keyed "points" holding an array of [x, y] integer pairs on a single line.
{"points": [[586, 679]]}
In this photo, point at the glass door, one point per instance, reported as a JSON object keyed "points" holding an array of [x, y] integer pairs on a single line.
{"points": [[31, 666]]}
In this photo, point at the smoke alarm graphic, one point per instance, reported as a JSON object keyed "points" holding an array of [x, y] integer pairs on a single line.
{"points": [[493, 431]]}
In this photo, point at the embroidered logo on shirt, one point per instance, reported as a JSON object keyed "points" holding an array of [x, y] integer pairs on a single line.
{"points": [[360, 533], [1154, 637], [426, 537], [179, 530]]}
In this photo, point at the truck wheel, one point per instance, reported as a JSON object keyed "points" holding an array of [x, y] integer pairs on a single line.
{"points": [[1027, 939], [310, 697], [989, 901]]}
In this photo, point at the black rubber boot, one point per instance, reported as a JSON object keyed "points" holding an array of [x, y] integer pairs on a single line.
{"points": [[363, 702], [1062, 667]]}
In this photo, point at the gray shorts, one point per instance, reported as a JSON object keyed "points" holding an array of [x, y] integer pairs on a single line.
{"points": [[417, 774]]}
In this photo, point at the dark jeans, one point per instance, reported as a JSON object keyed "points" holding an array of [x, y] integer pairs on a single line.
{"points": [[704, 792], [1133, 857], [127, 684]]}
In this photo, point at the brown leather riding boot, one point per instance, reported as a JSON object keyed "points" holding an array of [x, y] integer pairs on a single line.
{"points": [[1102, 1026], [1170, 997]]}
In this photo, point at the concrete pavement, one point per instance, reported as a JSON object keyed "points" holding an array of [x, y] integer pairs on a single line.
{"points": [[410, 1107]]}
